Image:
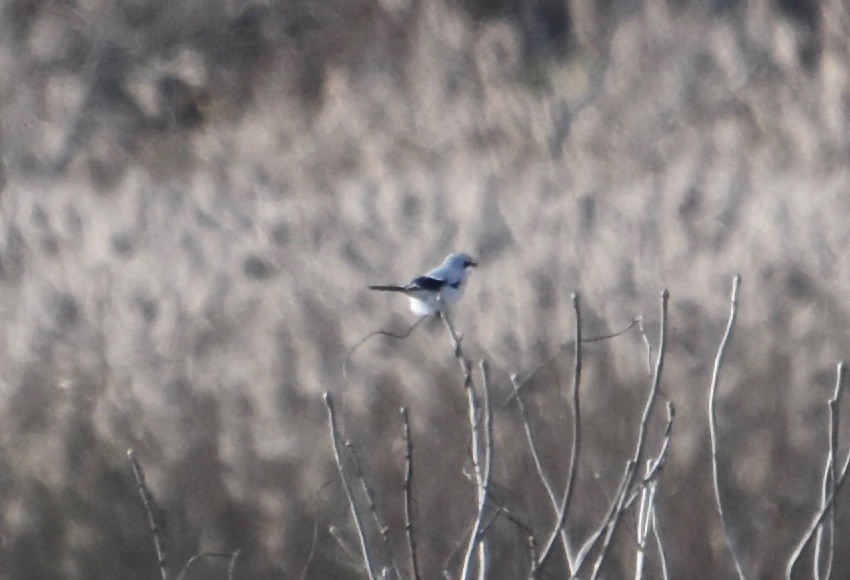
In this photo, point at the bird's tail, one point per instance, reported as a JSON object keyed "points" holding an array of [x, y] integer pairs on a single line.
{"points": [[388, 288]]}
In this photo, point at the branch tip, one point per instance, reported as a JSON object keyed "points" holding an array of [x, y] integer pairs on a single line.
{"points": [[736, 285]]}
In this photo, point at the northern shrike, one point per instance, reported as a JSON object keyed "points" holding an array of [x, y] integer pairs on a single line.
{"points": [[439, 288]]}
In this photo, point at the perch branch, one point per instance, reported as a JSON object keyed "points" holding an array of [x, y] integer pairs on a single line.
{"points": [[408, 494], [482, 473]]}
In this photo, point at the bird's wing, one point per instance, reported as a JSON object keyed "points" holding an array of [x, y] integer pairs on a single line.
{"points": [[426, 283]]}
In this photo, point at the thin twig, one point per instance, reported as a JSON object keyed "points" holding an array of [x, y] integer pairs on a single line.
{"points": [[647, 491], [647, 343], [151, 507], [657, 464], [349, 493], [408, 494], [826, 532], [456, 339], [482, 473], [458, 546], [386, 333], [232, 567], [647, 504], [315, 541], [232, 556], [641, 440], [532, 555], [383, 528], [581, 556], [563, 508], [569, 344], [343, 543], [538, 464], [712, 421], [662, 555], [807, 537]]}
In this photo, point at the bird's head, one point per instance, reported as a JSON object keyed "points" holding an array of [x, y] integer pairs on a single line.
{"points": [[460, 261]]}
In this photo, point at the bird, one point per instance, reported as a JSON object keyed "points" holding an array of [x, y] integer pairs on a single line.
{"points": [[438, 289]]}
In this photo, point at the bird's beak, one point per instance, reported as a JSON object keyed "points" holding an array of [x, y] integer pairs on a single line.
{"points": [[473, 264]]}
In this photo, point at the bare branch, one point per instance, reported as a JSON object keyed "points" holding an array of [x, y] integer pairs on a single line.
{"points": [[343, 543], [408, 493], [532, 555], [616, 504], [647, 343], [312, 554], [232, 556], [656, 465], [547, 484], [456, 339], [364, 546], [647, 491], [807, 537], [570, 344], [641, 439], [150, 505], [383, 528], [482, 473], [712, 420], [662, 555], [232, 567], [645, 511], [826, 532], [388, 334], [563, 509]]}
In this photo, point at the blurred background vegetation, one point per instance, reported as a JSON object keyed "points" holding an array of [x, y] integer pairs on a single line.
{"points": [[195, 194]]}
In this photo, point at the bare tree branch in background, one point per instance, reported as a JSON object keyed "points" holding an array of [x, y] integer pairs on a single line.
{"points": [[641, 439], [825, 539], [538, 464], [819, 517], [482, 472], [712, 421], [388, 334], [232, 566], [364, 546], [647, 343], [232, 556], [380, 524], [616, 504], [522, 383], [408, 494], [656, 465], [645, 510], [563, 508], [151, 507], [662, 555]]}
